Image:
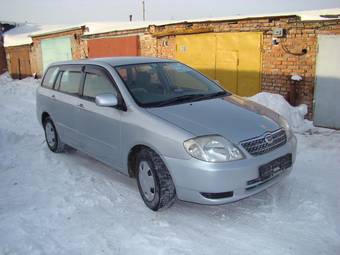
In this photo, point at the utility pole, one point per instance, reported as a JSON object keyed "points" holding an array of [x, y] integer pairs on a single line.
{"points": [[143, 3]]}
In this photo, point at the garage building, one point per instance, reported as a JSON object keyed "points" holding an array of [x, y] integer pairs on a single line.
{"points": [[56, 45], [115, 39], [251, 54]]}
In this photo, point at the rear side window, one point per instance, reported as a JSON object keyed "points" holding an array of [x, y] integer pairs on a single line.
{"points": [[70, 81], [96, 84], [50, 76]]}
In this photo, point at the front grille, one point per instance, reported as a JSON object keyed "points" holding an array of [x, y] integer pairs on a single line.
{"points": [[261, 145]]}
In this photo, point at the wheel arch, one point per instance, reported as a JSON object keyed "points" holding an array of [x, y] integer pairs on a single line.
{"points": [[44, 116], [131, 157]]}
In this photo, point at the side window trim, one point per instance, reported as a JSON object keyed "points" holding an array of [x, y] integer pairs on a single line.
{"points": [[57, 81], [74, 68], [44, 77], [101, 71]]}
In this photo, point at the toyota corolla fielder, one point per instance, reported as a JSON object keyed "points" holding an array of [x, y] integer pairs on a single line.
{"points": [[179, 133]]}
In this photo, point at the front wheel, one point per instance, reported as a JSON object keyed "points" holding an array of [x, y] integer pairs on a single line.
{"points": [[154, 181], [52, 138]]}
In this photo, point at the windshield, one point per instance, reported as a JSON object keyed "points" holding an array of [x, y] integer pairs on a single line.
{"points": [[160, 84]]}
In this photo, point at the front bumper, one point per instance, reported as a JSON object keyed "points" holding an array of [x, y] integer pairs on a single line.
{"points": [[193, 177]]}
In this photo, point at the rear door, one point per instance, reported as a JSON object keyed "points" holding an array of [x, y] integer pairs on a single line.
{"points": [[99, 127], [67, 101]]}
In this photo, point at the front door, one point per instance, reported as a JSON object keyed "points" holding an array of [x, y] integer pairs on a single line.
{"points": [[99, 127], [327, 89]]}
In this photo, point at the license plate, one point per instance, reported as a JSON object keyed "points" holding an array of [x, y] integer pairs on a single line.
{"points": [[273, 167]]}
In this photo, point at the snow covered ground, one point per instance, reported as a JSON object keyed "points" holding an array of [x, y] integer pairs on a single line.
{"points": [[71, 204]]}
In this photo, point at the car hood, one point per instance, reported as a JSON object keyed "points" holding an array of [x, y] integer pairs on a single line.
{"points": [[232, 117]]}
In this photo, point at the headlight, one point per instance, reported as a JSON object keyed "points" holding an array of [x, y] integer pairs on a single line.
{"points": [[285, 125], [212, 149]]}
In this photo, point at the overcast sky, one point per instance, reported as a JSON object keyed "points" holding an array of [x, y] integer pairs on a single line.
{"points": [[78, 11]]}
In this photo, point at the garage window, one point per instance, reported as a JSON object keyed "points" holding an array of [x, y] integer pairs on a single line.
{"points": [[69, 82], [96, 84], [50, 76]]}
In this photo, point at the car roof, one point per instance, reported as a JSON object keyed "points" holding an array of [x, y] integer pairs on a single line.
{"points": [[115, 61]]}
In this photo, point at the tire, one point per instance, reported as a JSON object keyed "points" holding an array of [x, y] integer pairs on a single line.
{"points": [[52, 138], [151, 168]]}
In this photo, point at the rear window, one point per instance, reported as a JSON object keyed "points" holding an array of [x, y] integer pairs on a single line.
{"points": [[50, 76], [70, 81]]}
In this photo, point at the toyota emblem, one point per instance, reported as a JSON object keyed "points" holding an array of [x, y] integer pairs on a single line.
{"points": [[269, 139]]}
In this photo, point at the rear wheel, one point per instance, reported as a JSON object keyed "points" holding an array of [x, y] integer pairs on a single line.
{"points": [[154, 181], [52, 138]]}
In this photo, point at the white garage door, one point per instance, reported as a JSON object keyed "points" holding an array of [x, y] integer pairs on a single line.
{"points": [[56, 49]]}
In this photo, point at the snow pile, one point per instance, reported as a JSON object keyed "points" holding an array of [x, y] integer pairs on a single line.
{"points": [[68, 203], [294, 115], [5, 78], [21, 88]]}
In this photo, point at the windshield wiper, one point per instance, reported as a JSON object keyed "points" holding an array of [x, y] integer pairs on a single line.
{"points": [[190, 98], [178, 99], [212, 95]]}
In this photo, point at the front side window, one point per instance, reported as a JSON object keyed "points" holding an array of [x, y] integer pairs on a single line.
{"points": [[70, 81], [96, 84], [160, 84], [50, 76]]}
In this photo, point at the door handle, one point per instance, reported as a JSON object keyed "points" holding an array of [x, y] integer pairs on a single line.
{"points": [[53, 96], [81, 105]]}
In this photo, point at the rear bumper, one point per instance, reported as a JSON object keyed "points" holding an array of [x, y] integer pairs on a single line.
{"points": [[194, 177]]}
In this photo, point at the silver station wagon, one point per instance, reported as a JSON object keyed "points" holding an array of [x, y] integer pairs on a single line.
{"points": [[177, 132]]}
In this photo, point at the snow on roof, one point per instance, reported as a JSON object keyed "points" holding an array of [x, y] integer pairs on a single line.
{"points": [[20, 35], [52, 29], [105, 27], [313, 15]]}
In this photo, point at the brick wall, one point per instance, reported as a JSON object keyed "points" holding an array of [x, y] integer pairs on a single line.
{"points": [[148, 45], [79, 48], [279, 62]]}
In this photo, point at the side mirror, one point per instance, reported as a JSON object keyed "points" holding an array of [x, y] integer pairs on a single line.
{"points": [[106, 100]]}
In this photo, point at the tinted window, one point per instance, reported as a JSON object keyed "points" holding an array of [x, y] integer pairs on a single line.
{"points": [[96, 84], [154, 83], [70, 81], [50, 77]]}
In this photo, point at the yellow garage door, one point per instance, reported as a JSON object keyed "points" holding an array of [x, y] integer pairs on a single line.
{"points": [[234, 59]]}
